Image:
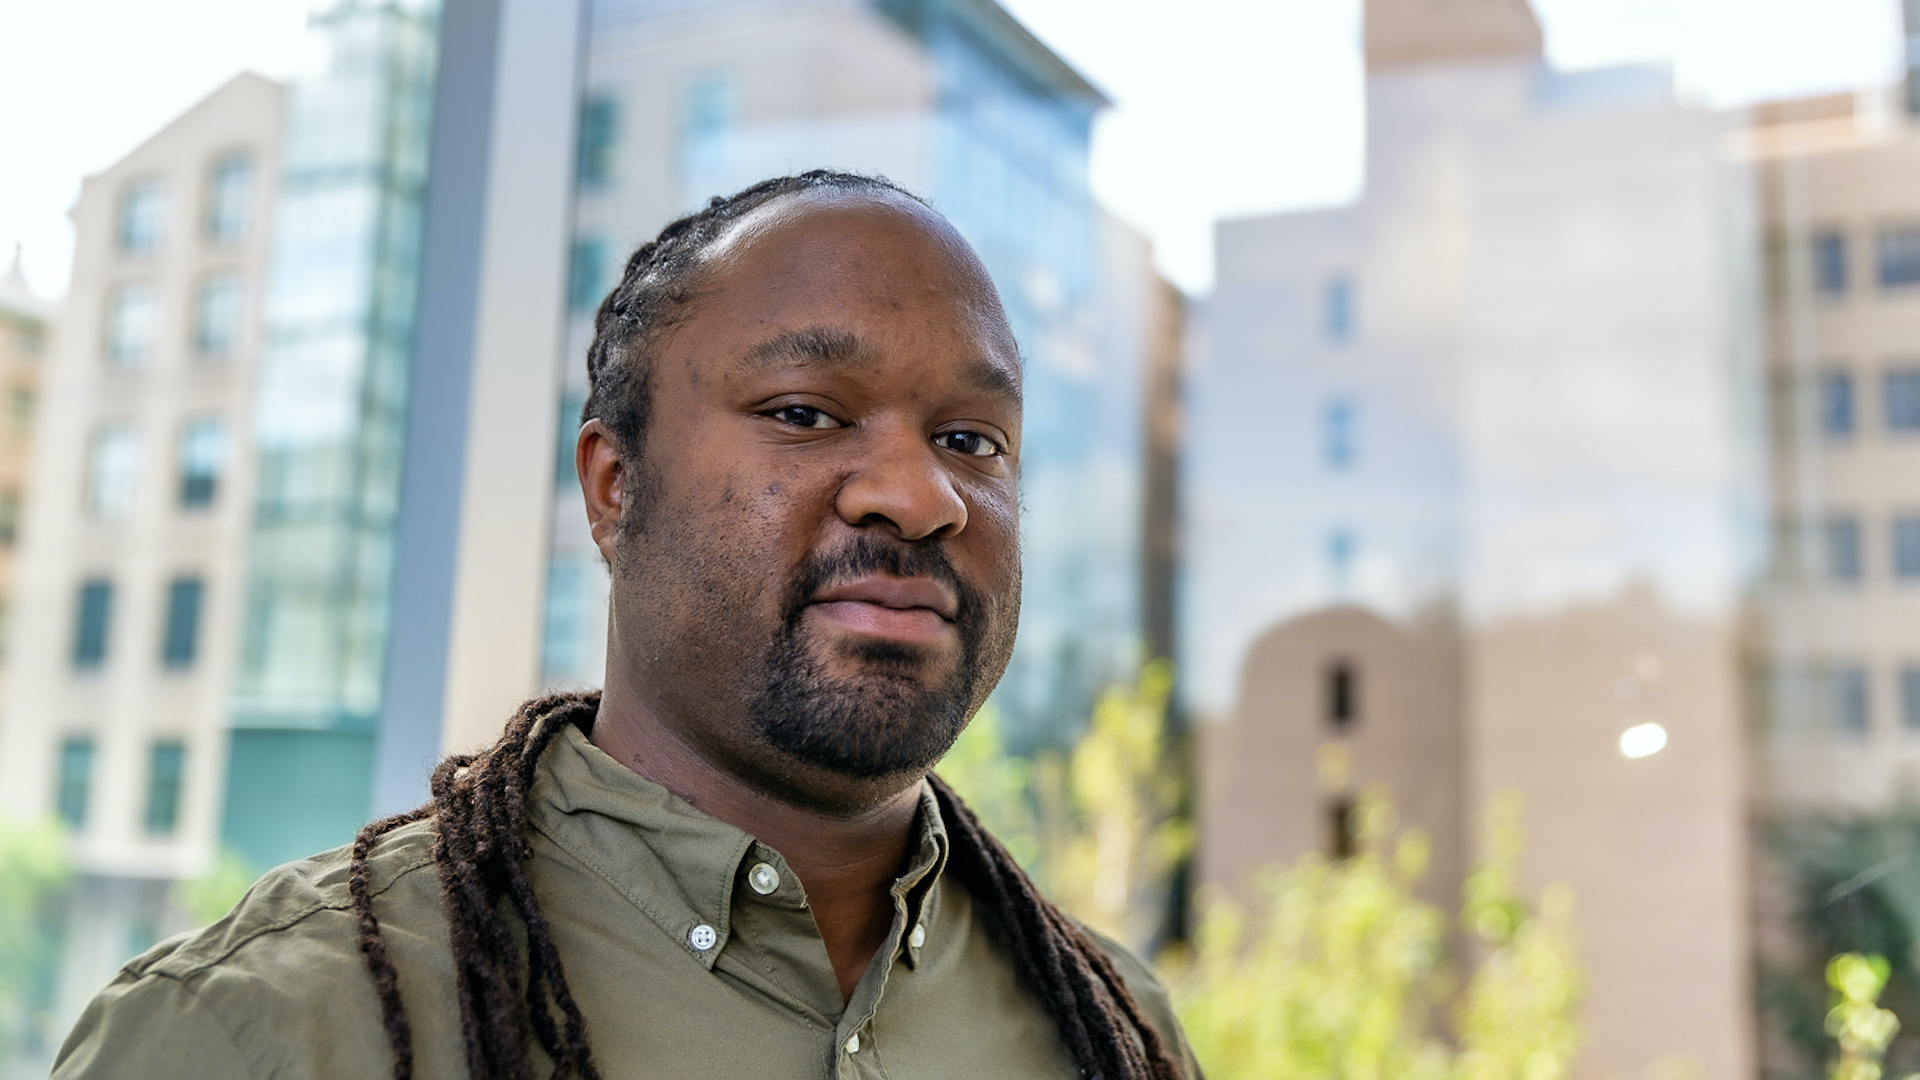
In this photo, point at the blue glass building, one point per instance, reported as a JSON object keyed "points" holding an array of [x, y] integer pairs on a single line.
{"points": [[957, 101], [328, 431]]}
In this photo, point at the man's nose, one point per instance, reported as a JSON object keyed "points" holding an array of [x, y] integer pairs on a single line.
{"points": [[901, 483]]}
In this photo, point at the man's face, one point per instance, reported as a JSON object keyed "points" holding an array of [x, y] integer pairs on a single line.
{"points": [[823, 583]]}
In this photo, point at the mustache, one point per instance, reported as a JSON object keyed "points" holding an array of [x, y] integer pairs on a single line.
{"points": [[873, 553]]}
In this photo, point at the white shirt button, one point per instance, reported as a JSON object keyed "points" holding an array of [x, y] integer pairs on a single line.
{"points": [[704, 937], [853, 1043], [764, 878], [919, 935]]}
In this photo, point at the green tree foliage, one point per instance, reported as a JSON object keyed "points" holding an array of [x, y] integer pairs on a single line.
{"points": [[1099, 828], [1855, 1020], [1519, 1018], [208, 899], [1332, 975], [1338, 971], [1854, 882], [33, 873]]}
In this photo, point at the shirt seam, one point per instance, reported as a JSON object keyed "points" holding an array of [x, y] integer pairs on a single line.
{"points": [[187, 969], [193, 995]]}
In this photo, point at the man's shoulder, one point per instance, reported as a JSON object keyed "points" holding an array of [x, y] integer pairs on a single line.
{"points": [[276, 987], [1151, 995], [308, 899]]}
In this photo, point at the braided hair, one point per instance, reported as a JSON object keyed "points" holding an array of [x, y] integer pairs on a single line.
{"points": [[478, 809]]}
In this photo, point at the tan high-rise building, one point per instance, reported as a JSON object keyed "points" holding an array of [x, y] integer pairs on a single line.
{"points": [[1835, 649], [23, 340], [130, 565], [1463, 496]]}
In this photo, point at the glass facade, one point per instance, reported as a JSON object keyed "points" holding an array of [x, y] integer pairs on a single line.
{"points": [[981, 119], [329, 413], [1011, 140]]}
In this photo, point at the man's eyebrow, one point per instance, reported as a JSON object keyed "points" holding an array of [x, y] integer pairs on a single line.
{"points": [[839, 348], [813, 345], [995, 379]]}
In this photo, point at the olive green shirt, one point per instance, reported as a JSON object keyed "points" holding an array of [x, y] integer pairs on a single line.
{"points": [[688, 944]]}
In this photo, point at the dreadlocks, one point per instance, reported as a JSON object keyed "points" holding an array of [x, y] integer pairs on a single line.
{"points": [[510, 995]]}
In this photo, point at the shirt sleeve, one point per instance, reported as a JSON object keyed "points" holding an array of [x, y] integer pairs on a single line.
{"points": [[149, 1026]]}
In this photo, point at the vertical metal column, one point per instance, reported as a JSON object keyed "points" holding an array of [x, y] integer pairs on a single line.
{"points": [[470, 545]]}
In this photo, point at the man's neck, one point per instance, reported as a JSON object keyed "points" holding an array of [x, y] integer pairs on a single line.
{"points": [[847, 862]]}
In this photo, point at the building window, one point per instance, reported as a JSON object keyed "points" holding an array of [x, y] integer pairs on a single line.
{"points": [[1906, 546], [203, 458], [166, 769], [1342, 828], [113, 472], [599, 129], [1849, 699], [1337, 422], [143, 216], [1338, 302], [586, 274], [93, 615], [1340, 552], [9, 517], [1899, 251], [1830, 263], [75, 782], [1901, 391], [1910, 697], [181, 641], [1342, 696], [133, 322], [1843, 549], [707, 118], [20, 410], [216, 317], [230, 198], [1836, 404]]}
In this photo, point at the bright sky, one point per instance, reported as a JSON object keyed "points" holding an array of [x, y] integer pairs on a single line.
{"points": [[1222, 107]]}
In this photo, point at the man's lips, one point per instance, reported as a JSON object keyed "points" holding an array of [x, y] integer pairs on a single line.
{"points": [[889, 606]]}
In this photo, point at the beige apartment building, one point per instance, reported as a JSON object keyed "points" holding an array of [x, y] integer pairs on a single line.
{"points": [[23, 340], [1835, 649], [128, 570], [1463, 504]]}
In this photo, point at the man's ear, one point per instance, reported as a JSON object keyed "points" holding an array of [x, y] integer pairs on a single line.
{"points": [[596, 457]]}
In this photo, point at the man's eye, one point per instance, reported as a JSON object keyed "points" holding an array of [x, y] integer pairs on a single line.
{"points": [[971, 443], [805, 416]]}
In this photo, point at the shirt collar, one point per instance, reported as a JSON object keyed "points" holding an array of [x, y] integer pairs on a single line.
{"points": [[681, 867]]}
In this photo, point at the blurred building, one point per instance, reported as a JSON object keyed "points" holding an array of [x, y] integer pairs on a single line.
{"points": [[1469, 497], [128, 577], [328, 417], [1835, 648], [23, 341], [954, 100]]}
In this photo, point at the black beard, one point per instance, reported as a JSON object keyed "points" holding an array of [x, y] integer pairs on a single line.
{"points": [[887, 721]]}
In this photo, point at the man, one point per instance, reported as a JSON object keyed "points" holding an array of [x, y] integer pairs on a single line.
{"points": [[800, 459]]}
